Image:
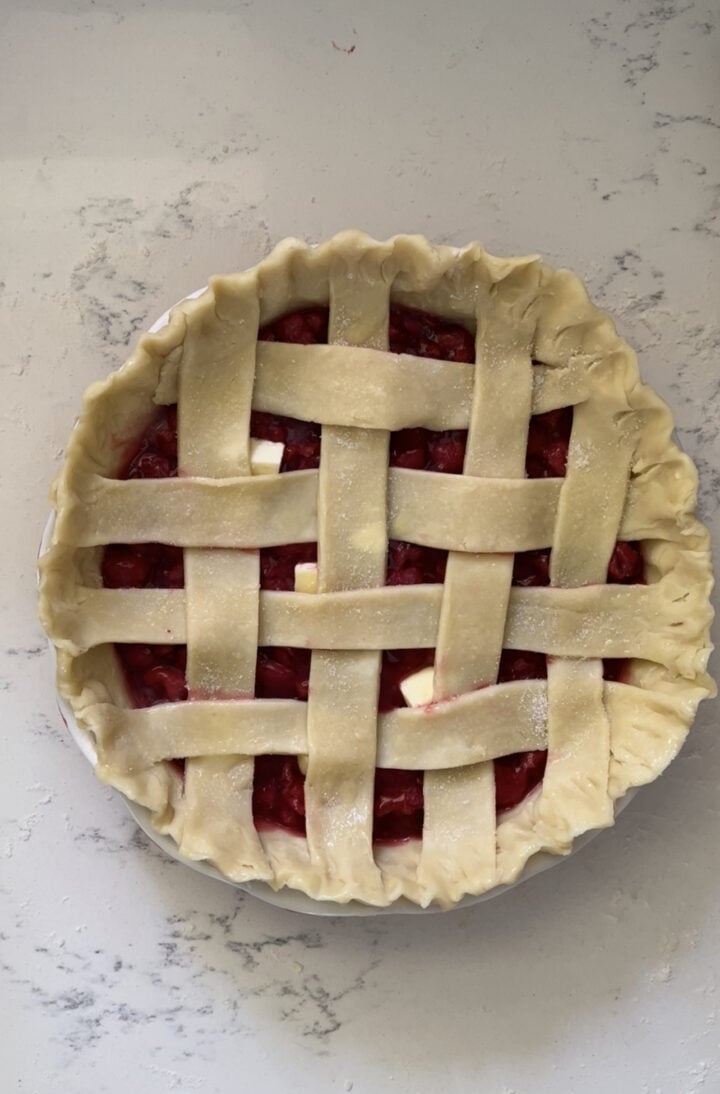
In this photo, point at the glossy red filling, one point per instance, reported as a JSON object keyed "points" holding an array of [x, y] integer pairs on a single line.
{"points": [[153, 674], [156, 674]]}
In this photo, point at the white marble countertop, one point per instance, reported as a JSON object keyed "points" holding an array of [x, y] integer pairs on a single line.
{"points": [[145, 146]]}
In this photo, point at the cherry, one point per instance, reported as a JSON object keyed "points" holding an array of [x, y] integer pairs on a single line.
{"points": [[547, 445], [411, 564], [413, 458], [516, 776], [143, 566], [137, 658], [424, 335], [155, 455], [279, 792], [521, 665], [153, 674], [411, 575], [397, 791], [277, 564], [626, 565], [615, 669], [273, 680], [166, 434], [398, 805], [282, 673], [447, 452], [167, 680], [531, 568], [178, 766], [268, 427], [308, 326], [125, 567], [301, 439]]}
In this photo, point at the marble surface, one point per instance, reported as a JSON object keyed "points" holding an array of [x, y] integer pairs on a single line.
{"points": [[145, 146]]}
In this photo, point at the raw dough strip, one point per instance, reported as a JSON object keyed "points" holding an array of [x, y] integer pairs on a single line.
{"points": [[215, 386], [133, 738], [477, 590], [222, 603], [222, 587], [574, 795], [352, 554], [652, 622], [361, 387], [478, 726], [217, 803], [262, 511], [481, 515]]}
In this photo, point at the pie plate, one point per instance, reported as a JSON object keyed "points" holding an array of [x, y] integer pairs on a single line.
{"points": [[289, 899]]}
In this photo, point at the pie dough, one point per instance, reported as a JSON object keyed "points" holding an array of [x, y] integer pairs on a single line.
{"points": [[625, 479]]}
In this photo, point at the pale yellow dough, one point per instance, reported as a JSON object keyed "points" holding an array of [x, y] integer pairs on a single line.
{"points": [[626, 479]]}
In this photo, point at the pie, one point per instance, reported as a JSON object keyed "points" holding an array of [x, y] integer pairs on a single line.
{"points": [[376, 572]]}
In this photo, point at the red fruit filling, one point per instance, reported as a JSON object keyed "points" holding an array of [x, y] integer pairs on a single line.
{"points": [[395, 666], [398, 807], [279, 794], [410, 564], [143, 566], [282, 672], [156, 674], [153, 674], [547, 444], [304, 327], [423, 335], [301, 439], [154, 456], [516, 776], [277, 564]]}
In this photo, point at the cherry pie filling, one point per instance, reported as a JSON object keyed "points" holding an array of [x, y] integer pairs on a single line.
{"points": [[156, 673]]}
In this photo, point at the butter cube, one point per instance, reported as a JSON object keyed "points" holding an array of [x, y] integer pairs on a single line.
{"points": [[306, 577], [417, 689], [265, 456]]}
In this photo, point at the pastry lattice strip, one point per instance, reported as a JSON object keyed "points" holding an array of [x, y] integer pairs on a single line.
{"points": [[475, 514], [648, 622]]}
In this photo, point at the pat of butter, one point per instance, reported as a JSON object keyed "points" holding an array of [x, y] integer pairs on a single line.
{"points": [[417, 689], [306, 577], [265, 456]]}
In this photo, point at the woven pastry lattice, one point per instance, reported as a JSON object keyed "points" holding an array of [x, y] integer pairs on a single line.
{"points": [[539, 346]]}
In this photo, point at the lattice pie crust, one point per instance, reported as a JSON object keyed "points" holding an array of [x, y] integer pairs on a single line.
{"points": [[625, 479]]}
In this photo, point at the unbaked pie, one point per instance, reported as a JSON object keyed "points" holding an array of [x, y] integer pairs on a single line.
{"points": [[376, 572]]}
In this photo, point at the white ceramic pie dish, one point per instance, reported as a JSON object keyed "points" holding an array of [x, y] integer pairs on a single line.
{"points": [[289, 899]]}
